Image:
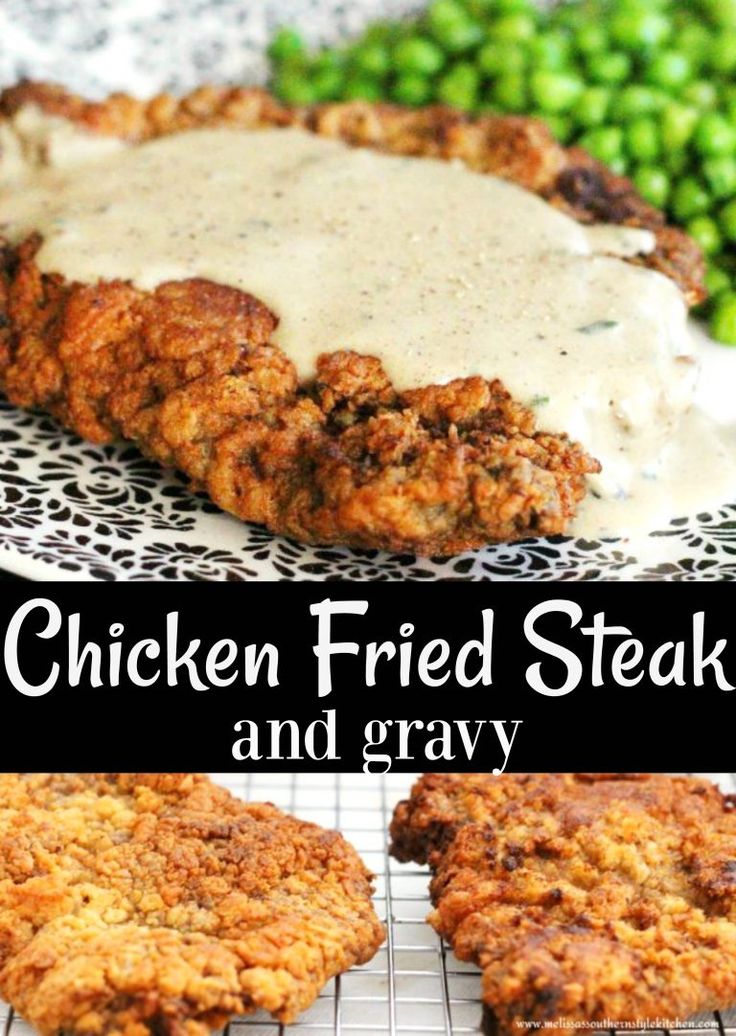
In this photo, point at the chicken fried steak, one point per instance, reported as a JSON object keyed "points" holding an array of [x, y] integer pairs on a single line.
{"points": [[159, 903], [581, 897], [189, 372]]}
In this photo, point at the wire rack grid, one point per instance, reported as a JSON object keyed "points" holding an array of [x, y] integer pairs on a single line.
{"points": [[413, 984]]}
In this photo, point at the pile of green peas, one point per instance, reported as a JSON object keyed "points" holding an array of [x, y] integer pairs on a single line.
{"points": [[646, 86]]}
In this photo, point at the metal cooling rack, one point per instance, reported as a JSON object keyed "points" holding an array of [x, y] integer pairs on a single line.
{"points": [[413, 984]]}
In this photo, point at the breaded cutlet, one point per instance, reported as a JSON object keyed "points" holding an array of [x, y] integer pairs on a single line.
{"points": [[134, 904], [581, 897], [345, 459]]}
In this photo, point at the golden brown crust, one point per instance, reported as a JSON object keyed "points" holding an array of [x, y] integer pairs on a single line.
{"points": [[187, 371], [157, 903], [440, 804], [582, 897]]}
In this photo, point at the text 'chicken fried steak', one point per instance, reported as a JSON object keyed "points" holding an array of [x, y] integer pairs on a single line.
{"points": [[193, 369], [159, 903], [582, 897]]}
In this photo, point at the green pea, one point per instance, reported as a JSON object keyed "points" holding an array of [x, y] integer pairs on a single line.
{"points": [[609, 68], [461, 36], [619, 166], [714, 135], [509, 92], [700, 93], [418, 55], [634, 101], [481, 8], [722, 12], [689, 199], [591, 38], [570, 16], [642, 139], [516, 7], [727, 220], [716, 281], [560, 126], [637, 28], [555, 91], [723, 322], [669, 69], [646, 5], [372, 58], [721, 56], [383, 32], [513, 28], [677, 125], [604, 142], [549, 51], [362, 88], [495, 59], [728, 101], [329, 59], [592, 106], [411, 90], [694, 41], [459, 86], [293, 88], [705, 232], [720, 175], [676, 162], [286, 43], [653, 184], [442, 13], [328, 83]]}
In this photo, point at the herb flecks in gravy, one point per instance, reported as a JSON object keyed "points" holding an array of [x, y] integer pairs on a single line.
{"points": [[439, 271]]}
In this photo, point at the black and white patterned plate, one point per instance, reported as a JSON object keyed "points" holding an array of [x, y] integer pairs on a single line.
{"points": [[72, 510]]}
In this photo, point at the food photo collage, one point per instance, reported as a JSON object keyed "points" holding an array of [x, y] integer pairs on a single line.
{"points": [[414, 323]]}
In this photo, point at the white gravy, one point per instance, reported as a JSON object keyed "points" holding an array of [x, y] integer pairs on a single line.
{"points": [[439, 271]]}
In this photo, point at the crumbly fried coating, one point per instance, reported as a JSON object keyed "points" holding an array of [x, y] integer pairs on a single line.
{"points": [[581, 897], [441, 803], [188, 372], [133, 904]]}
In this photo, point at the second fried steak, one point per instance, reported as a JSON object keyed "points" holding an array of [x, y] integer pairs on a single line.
{"points": [[582, 897]]}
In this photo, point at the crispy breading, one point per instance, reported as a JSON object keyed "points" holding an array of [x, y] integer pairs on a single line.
{"points": [[188, 373], [441, 803], [581, 897], [133, 904]]}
